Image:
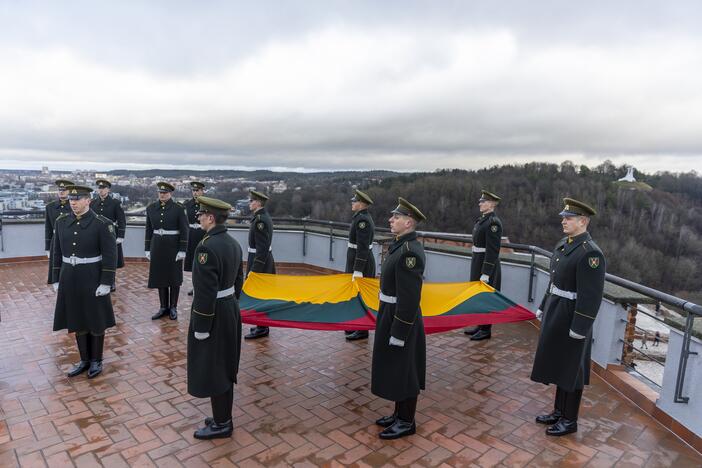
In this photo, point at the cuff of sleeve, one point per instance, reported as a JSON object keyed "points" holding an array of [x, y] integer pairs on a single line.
{"points": [[202, 323], [400, 329], [582, 324]]}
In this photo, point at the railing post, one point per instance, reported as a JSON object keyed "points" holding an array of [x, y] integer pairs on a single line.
{"points": [[629, 336], [331, 242], [682, 365], [304, 238], [532, 274]]}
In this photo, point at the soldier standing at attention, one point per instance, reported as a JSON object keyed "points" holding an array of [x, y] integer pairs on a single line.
{"points": [[569, 307], [359, 255], [166, 240], [485, 264], [53, 210], [195, 234], [84, 255], [111, 209], [260, 259], [399, 346], [214, 336]]}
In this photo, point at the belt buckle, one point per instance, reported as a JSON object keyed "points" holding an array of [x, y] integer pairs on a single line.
{"points": [[73, 260], [159, 231]]}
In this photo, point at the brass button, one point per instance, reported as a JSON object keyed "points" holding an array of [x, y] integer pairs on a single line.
{"points": [[75, 232], [74, 243]]}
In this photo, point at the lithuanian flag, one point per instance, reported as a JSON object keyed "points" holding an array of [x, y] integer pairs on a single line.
{"points": [[334, 302]]}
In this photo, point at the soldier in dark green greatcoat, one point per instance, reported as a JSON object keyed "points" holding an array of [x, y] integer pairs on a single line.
{"points": [[195, 233], [165, 243], [359, 254], [485, 262], [569, 307], [84, 255], [399, 346], [260, 258], [214, 336], [53, 210], [111, 208]]}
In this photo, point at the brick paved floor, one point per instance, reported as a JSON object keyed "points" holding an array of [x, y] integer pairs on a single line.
{"points": [[303, 398]]}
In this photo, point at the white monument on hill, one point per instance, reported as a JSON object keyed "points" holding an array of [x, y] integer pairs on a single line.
{"points": [[629, 177]]}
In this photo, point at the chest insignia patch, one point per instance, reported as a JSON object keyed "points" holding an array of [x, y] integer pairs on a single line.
{"points": [[202, 258], [260, 226], [493, 228], [410, 262], [362, 225], [594, 262]]}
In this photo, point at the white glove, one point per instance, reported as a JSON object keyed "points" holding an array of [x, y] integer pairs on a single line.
{"points": [[539, 314], [103, 290], [356, 274], [395, 342], [120, 240], [48, 254], [575, 335], [201, 336], [147, 254], [55, 285], [484, 278], [180, 256]]}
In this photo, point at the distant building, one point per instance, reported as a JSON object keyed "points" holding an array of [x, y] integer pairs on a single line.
{"points": [[629, 177]]}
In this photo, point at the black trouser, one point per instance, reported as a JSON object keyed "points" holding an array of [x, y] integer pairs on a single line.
{"points": [[168, 296], [222, 406], [405, 409], [568, 403], [90, 346], [487, 328]]}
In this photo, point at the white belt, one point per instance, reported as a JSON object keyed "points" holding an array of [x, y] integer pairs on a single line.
{"points": [[195, 226], [564, 294], [478, 249], [355, 246], [165, 232], [73, 260], [252, 250], [225, 292], [388, 299]]}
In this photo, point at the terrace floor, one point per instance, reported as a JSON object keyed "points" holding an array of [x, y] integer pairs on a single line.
{"points": [[303, 398]]}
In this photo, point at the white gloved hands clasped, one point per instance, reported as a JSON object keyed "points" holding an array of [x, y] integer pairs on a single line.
{"points": [[180, 256], [147, 254], [395, 342], [48, 254], [102, 290], [201, 336], [120, 240], [574, 335], [356, 274], [55, 286], [539, 314], [484, 278]]}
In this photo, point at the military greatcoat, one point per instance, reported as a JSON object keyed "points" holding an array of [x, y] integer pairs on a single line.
{"points": [[260, 258], [213, 363], [111, 208], [195, 233], [359, 255], [77, 307], [487, 236], [53, 210], [577, 267], [398, 373], [170, 217]]}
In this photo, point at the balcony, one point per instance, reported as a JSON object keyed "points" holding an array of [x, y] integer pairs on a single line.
{"points": [[303, 396]]}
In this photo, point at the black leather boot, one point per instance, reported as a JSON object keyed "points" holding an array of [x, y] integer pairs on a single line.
{"points": [[551, 418], [215, 431], [173, 302], [163, 300], [484, 333], [84, 351], [562, 427], [398, 429], [96, 345], [357, 335], [257, 332], [471, 331]]}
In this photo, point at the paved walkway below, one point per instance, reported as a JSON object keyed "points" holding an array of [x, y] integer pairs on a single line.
{"points": [[303, 398]]}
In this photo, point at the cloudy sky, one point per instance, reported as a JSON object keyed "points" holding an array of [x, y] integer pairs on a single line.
{"points": [[402, 85]]}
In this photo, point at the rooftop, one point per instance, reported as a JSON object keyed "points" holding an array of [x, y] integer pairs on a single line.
{"points": [[303, 397]]}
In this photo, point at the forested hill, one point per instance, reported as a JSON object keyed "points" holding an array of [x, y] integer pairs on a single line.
{"points": [[651, 235]]}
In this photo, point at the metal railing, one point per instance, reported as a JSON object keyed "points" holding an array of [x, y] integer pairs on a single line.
{"points": [[691, 309]]}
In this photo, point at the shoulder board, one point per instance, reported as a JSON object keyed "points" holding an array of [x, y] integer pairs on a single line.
{"points": [[258, 217], [62, 215], [151, 204], [179, 203], [407, 246], [104, 219], [52, 202], [204, 239]]}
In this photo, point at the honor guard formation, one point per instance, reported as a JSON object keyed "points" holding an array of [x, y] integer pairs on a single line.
{"points": [[84, 238]]}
